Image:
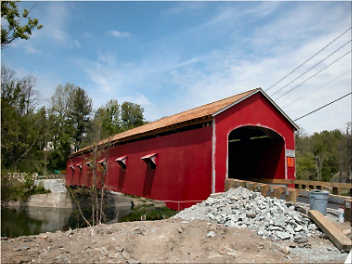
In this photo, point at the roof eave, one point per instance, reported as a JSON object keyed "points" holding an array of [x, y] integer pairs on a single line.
{"points": [[139, 136]]}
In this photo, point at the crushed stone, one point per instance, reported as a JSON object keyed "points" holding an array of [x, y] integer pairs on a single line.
{"points": [[241, 208]]}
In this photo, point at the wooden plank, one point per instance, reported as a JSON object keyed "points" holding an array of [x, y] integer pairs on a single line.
{"points": [[325, 184], [307, 183], [292, 195], [346, 198], [333, 232]]}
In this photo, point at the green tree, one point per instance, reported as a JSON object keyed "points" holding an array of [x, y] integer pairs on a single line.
{"points": [[12, 25], [131, 115], [22, 126], [79, 110], [60, 128], [109, 116], [322, 155], [69, 122]]}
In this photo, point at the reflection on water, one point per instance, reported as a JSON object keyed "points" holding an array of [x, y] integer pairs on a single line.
{"points": [[22, 221]]}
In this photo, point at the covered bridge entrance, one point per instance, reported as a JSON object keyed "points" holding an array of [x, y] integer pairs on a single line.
{"points": [[255, 152]]}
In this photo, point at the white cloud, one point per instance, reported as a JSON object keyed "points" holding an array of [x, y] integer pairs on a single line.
{"points": [[137, 98], [119, 34], [55, 23], [228, 74], [45, 84], [167, 83], [55, 18]]}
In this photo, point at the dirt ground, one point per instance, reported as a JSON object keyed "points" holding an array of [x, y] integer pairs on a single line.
{"points": [[171, 240]]}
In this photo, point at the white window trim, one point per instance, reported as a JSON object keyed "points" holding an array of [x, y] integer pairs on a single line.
{"points": [[150, 159], [102, 163], [122, 161]]}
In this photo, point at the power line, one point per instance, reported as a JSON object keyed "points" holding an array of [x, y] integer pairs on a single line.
{"points": [[321, 107], [327, 84], [311, 68], [311, 57], [315, 74]]}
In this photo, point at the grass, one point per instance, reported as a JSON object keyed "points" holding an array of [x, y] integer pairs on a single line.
{"points": [[148, 213]]}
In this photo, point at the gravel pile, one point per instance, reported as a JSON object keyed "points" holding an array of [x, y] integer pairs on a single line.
{"points": [[242, 208]]}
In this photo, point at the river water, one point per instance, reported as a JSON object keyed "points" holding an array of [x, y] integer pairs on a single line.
{"points": [[20, 221]]}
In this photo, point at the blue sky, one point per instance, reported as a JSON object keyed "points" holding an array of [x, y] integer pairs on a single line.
{"points": [[171, 56]]}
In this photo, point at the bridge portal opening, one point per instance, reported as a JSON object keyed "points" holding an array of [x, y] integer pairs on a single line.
{"points": [[255, 153]]}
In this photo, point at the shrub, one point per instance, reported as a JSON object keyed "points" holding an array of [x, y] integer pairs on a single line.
{"points": [[15, 190]]}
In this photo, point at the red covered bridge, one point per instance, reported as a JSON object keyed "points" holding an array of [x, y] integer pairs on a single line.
{"points": [[187, 156]]}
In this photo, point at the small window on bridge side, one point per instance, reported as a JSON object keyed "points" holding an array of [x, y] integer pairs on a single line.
{"points": [[79, 166], [122, 161], [89, 164], [102, 163], [150, 159]]}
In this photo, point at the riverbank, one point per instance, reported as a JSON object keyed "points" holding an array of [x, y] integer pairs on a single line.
{"points": [[167, 241], [56, 211]]}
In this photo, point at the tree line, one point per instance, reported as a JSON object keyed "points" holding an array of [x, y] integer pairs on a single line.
{"points": [[325, 156], [40, 138]]}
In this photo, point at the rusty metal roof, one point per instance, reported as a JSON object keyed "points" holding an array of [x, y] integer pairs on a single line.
{"points": [[182, 119]]}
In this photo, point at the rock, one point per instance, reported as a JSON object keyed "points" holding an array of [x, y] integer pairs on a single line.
{"points": [[242, 208], [300, 239], [274, 228], [298, 228], [283, 235], [305, 245], [211, 234], [125, 254], [289, 229], [230, 252], [118, 249], [180, 230], [312, 227], [251, 214], [260, 246], [284, 249], [133, 261], [138, 231], [68, 233]]}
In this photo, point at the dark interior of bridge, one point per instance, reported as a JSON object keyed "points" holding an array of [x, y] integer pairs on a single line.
{"points": [[254, 153]]}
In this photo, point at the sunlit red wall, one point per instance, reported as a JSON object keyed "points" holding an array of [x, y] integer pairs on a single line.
{"points": [[255, 111], [183, 168]]}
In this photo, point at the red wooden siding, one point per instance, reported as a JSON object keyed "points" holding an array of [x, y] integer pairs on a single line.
{"points": [[183, 169]]}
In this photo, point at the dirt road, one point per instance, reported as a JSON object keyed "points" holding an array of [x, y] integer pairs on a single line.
{"points": [[171, 241]]}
